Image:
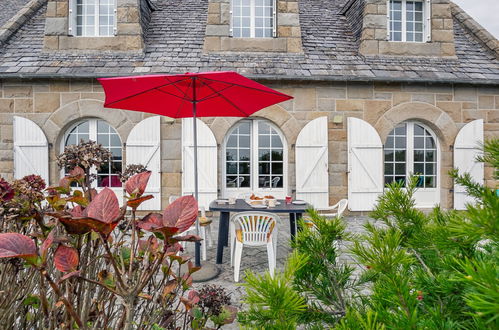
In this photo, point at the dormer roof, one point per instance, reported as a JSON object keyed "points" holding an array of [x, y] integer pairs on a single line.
{"points": [[173, 43]]}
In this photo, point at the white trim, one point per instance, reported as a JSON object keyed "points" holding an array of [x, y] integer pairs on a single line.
{"points": [[254, 176], [425, 197], [426, 20], [252, 18]]}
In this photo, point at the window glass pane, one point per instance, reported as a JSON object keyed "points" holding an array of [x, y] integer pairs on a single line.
{"points": [[264, 181], [244, 128], [418, 130], [430, 169], [400, 142], [231, 154], [400, 156], [388, 168], [231, 182], [244, 154], [232, 141], [430, 156], [264, 168], [277, 155], [418, 168], [244, 168], [103, 139], [264, 141], [400, 168], [276, 141], [419, 155], [231, 168], [430, 182], [264, 154], [418, 142], [388, 155], [244, 141], [389, 142], [277, 168], [430, 144], [400, 179], [244, 181]]}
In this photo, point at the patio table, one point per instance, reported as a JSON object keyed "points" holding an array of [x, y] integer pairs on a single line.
{"points": [[295, 212]]}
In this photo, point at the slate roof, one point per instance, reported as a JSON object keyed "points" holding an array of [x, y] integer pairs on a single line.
{"points": [[174, 42], [9, 8]]}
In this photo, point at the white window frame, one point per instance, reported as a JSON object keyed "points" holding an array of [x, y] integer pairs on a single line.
{"points": [[426, 21], [252, 19], [92, 129], [425, 197], [73, 19], [254, 175]]}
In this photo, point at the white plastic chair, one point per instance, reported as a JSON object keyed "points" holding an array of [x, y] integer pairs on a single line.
{"points": [[253, 229], [339, 207], [204, 231]]}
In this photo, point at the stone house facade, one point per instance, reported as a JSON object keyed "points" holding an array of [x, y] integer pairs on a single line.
{"points": [[367, 109]]}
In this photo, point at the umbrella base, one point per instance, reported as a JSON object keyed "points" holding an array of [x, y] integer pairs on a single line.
{"points": [[207, 272]]}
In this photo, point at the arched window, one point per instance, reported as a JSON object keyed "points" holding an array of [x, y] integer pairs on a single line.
{"points": [[411, 148], [101, 132], [255, 159]]}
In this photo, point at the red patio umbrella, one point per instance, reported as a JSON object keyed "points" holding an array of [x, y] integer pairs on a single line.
{"points": [[208, 94]]}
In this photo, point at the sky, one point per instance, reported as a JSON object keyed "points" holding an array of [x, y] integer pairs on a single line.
{"points": [[485, 12]]}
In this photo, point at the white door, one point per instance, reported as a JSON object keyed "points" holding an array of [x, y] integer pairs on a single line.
{"points": [[466, 150], [365, 165], [31, 155], [312, 184], [143, 147], [207, 157]]}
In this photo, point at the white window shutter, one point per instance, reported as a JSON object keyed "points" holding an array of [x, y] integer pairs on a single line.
{"points": [[143, 147], [365, 165], [274, 18], [72, 18], [428, 20], [207, 162], [466, 149], [388, 25], [31, 153], [115, 10], [312, 183]]}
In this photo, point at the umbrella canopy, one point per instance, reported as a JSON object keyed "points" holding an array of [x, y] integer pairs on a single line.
{"points": [[209, 94], [190, 95]]}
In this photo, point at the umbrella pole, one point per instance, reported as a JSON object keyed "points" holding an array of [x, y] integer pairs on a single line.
{"points": [[197, 253]]}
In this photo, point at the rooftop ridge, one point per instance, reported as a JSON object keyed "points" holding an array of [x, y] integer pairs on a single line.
{"points": [[17, 21], [478, 31]]}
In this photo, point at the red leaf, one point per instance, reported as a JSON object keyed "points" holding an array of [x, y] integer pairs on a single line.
{"points": [[136, 185], [46, 245], [181, 213], [134, 203], [104, 206], [86, 224], [74, 227], [77, 211], [66, 258], [14, 245], [154, 222]]}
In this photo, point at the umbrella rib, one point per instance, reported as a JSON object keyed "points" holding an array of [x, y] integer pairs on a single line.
{"points": [[243, 86], [228, 101], [148, 90], [214, 93]]}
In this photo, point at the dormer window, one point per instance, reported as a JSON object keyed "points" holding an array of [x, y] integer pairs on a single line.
{"points": [[93, 18], [253, 18], [408, 21]]}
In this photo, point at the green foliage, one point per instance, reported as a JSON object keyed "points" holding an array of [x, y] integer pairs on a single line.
{"points": [[431, 271], [274, 303], [314, 289]]}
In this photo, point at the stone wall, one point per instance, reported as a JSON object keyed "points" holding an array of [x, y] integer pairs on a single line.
{"points": [[218, 37], [374, 40], [56, 104], [128, 36]]}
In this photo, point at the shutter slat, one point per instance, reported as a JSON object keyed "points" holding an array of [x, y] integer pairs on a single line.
{"points": [[365, 165], [30, 149], [207, 162], [466, 149], [143, 147], [312, 184]]}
